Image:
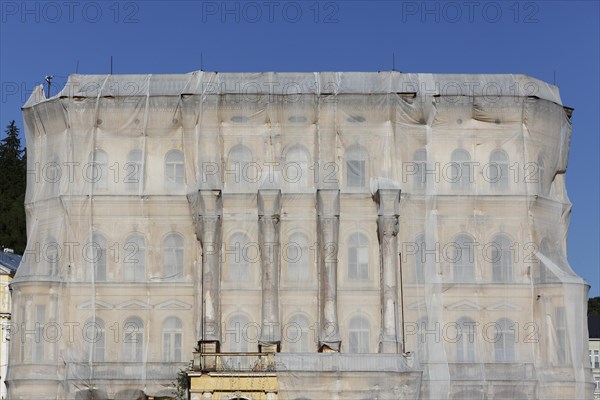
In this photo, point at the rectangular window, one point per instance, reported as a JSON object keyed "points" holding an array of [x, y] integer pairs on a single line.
{"points": [[22, 341], [355, 173], [358, 263], [596, 362], [40, 318], [359, 341], [561, 336]]}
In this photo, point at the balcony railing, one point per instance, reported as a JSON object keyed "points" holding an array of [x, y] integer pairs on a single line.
{"points": [[238, 362], [124, 370]]}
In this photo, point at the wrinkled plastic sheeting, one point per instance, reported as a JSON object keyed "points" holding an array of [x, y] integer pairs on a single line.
{"points": [[195, 273]]}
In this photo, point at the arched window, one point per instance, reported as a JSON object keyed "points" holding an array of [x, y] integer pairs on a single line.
{"points": [[297, 334], [238, 254], [172, 339], [358, 335], [173, 256], [505, 341], [174, 170], [356, 166], [298, 258], [134, 258], [133, 170], [296, 172], [237, 334], [133, 340], [502, 259], [358, 257], [420, 165], [420, 259], [465, 345], [460, 174], [96, 256], [541, 175], [98, 174], [238, 173], [94, 336], [463, 258], [498, 170]]}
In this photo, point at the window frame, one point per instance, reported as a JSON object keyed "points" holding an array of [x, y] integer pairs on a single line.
{"points": [[172, 339], [359, 336], [502, 259], [504, 347], [358, 271], [173, 256], [99, 159], [238, 160], [420, 164], [500, 161], [465, 344], [96, 348], [464, 272], [134, 270], [133, 342], [174, 169], [302, 344], [462, 164], [134, 170], [298, 268], [98, 265], [297, 154], [238, 264], [357, 159]]}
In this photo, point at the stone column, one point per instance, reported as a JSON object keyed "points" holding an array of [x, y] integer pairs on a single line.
{"points": [[328, 212], [207, 211], [387, 227], [269, 209]]}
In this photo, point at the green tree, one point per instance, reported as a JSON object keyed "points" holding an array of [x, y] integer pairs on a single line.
{"points": [[13, 175], [594, 306]]}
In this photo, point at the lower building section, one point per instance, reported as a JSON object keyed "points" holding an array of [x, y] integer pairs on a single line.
{"points": [[303, 376], [307, 376]]}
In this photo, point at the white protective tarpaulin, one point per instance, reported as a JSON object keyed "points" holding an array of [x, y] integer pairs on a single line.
{"points": [[414, 223]]}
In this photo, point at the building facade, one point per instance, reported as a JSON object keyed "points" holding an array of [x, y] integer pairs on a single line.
{"points": [[9, 262], [301, 235], [594, 351]]}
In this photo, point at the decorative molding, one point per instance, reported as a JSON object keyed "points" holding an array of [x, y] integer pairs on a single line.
{"points": [[503, 306], [99, 305], [464, 305], [133, 305], [173, 304]]}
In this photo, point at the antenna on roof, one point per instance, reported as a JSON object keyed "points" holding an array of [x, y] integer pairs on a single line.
{"points": [[77, 67], [393, 61], [201, 62], [554, 79], [111, 65], [48, 80]]}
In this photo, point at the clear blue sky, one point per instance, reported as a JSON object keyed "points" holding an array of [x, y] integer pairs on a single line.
{"points": [[534, 38]]}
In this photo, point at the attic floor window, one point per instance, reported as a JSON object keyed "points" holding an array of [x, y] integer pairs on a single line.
{"points": [[356, 119], [239, 119], [296, 119]]}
